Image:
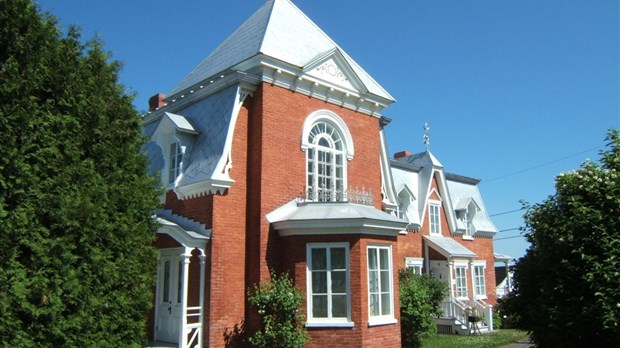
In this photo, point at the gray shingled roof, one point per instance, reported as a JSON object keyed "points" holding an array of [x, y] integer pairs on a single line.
{"points": [[280, 30]]}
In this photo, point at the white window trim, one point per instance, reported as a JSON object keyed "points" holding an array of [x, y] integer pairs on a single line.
{"points": [[414, 262], [333, 118], [482, 264], [456, 286], [381, 319], [430, 223], [166, 178], [326, 322]]}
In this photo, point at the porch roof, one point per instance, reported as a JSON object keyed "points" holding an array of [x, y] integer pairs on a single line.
{"points": [[187, 232], [449, 248], [333, 218]]}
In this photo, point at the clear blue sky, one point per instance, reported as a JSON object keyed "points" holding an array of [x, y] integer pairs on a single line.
{"points": [[515, 91]]}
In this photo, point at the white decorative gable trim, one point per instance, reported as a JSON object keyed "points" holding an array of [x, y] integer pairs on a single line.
{"points": [[332, 68], [220, 180]]}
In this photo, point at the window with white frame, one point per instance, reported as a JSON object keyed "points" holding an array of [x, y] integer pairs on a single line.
{"points": [[325, 162], [434, 218], [380, 291], [461, 281], [174, 163], [467, 223], [479, 281], [328, 283], [414, 264]]}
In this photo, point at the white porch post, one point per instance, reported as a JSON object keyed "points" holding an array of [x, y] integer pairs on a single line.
{"points": [[451, 271], [184, 290], [427, 261], [508, 280], [472, 275], [202, 295]]}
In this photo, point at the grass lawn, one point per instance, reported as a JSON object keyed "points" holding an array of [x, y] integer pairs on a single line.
{"points": [[497, 338]]}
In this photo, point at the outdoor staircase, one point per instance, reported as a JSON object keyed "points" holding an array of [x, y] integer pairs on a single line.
{"points": [[455, 317]]}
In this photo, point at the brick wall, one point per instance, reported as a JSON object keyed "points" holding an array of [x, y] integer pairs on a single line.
{"points": [[360, 335]]}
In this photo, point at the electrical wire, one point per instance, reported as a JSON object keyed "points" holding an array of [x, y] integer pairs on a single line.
{"points": [[538, 166], [507, 212]]}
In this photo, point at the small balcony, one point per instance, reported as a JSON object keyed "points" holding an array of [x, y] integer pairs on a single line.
{"points": [[350, 195]]}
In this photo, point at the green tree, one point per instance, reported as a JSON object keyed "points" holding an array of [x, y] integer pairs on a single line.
{"points": [[277, 302], [420, 301], [567, 283], [76, 261]]}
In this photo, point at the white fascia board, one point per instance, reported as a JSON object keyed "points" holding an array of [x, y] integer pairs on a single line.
{"points": [[180, 235], [340, 226], [205, 187]]}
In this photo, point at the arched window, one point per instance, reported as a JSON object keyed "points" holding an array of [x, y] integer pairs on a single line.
{"points": [[325, 158], [328, 145]]}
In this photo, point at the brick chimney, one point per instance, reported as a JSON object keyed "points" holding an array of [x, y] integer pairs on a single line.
{"points": [[402, 154], [157, 101]]}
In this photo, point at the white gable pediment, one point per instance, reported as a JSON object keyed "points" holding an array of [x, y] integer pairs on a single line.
{"points": [[332, 67]]}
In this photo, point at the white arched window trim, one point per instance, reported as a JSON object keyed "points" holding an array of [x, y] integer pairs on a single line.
{"points": [[331, 117]]}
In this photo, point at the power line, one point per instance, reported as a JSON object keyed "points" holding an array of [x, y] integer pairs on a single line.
{"points": [[507, 212], [510, 229], [507, 238], [540, 165]]}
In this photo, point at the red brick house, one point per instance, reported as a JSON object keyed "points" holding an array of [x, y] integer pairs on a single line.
{"points": [[273, 156]]}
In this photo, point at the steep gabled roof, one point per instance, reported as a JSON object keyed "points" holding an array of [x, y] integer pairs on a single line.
{"points": [[279, 30]]}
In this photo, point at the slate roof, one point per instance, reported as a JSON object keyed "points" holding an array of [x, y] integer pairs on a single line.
{"points": [[280, 30], [416, 172], [210, 120], [448, 247]]}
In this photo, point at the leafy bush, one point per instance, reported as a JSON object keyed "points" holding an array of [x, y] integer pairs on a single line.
{"points": [[566, 286], [420, 300], [277, 302]]}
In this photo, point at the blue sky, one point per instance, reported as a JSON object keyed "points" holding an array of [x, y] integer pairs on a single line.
{"points": [[515, 91]]}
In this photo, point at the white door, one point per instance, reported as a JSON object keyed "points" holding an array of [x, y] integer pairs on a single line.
{"points": [[440, 270], [169, 294]]}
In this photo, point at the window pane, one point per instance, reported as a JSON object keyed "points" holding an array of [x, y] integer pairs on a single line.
{"points": [[372, 259], [180, 282], [373, 281], [339, 306], [338, 258], [385, 304], [385, 280], [319, 282], [374, 304], [339, 279], [319, 259], [384, 262], [166, 285], [319, 306]]}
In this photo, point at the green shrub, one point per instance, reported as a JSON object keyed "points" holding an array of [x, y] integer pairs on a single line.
{"points": [[420, 300], [277, 302]]}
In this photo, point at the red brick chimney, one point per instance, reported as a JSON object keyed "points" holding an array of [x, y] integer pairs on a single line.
{"points": [[157, 101], [403, 154]]}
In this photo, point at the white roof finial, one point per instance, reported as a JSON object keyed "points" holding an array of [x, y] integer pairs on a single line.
{"points": [[426, 137]]}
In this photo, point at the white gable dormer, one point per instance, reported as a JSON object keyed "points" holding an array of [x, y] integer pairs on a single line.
{"points": [[174, 135], [466, 210]]}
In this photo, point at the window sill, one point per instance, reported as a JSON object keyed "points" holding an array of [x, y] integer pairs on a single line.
{"points": [[330, 324], [382, 321], [481, 297], [467, 237]]}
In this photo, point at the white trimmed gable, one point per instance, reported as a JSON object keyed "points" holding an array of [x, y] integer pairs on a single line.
{"points": [[282, 46]]}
